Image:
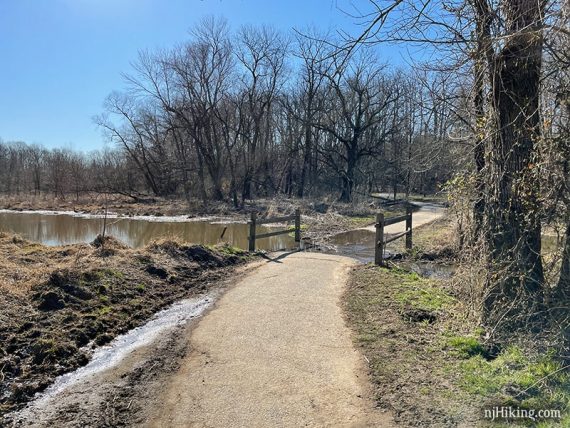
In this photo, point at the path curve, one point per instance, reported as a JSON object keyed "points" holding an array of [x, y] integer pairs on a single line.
{"points": [[427, 213], [274, 352]]}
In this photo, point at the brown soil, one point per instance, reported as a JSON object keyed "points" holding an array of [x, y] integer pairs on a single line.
{"points": [[60, 302]]}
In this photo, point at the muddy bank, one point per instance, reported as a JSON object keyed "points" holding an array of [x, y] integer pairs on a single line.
{"points": [[94, 203], [180, 210], [60, 303]]}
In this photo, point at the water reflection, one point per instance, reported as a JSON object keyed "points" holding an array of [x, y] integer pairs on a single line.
{"points": [[359, 244], [61, 229], [356, 243]]}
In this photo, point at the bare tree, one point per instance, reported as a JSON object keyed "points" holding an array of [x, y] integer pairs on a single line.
{"points": [[360, 95]]}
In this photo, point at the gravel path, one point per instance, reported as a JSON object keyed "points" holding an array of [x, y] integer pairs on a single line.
{"points": [[274, 352]]}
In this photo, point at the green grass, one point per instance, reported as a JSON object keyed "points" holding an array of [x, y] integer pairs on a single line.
{"points": [[227, 250], [104, 310], [359, 221], [465, 346], [421, 293], [113, 273], [303, 227], [517, 380], [444, 364]]}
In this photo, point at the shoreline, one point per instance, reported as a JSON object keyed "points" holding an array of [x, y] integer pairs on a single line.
{"points": [[115, 215]]}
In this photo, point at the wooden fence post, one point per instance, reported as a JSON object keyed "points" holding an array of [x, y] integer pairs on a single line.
{"points": [[379, 247], [252, 232], [297, 225], [409, 227]]}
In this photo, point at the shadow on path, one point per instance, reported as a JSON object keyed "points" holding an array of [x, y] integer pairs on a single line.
{"points": [[280, 256]]}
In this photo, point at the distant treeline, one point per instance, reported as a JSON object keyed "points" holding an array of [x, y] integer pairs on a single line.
{"points": [[35, 170], [236, 115]]}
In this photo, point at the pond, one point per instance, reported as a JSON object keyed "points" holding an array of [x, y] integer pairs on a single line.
{"points": [[359, 244], [61, 229]]}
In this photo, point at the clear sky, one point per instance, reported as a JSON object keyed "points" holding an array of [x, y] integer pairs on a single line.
{"points": [[60, 58]]}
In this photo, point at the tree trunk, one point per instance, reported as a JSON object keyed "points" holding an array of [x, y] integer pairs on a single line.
{"points": [[479, 149], [201, 177], [306, 157], [515, 287], [347, 180]]}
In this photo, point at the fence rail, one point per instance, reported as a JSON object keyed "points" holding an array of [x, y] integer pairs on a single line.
{"points": [[381, 240], [254, 222]]}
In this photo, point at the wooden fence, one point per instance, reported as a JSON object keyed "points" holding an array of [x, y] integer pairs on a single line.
{"points": [[254, 222], [381, 241]]}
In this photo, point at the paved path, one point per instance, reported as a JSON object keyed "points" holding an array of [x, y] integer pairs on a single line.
{"points": [[426, 214], [275, 352]]}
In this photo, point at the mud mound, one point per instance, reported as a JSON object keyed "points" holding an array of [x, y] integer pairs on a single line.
{"points": [[75, 300], [108, 245], [63, 287], [206, 257]]}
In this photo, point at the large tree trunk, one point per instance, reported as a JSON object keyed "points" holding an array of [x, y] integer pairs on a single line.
{"points": [[201, 177], [560, 299], [515, 288], [479, 149]]}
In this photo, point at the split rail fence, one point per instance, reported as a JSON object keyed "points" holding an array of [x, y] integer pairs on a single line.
{"points": [[381, 238], [254, 222]]}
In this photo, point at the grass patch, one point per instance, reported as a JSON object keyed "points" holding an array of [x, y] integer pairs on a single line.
{"points": [[104, 310], [520, 381], [227, 250], [437, 371], [360, 221], [113, 273], [465, 346], [303, 227], [434, 240], [403, 349], [422, 294], [366, 220]]}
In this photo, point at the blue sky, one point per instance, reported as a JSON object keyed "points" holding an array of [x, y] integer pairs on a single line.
{"points": [[60, 58]]}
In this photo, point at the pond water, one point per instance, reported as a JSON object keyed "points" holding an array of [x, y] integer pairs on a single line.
{"points": [[61, 229], [359, 244]]}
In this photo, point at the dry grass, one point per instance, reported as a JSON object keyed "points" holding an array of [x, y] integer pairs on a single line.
{"points": [[56, 300], [95, 203], [24, 264], [435, 240]]}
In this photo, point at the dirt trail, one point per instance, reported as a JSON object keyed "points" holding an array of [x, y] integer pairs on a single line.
{"points": [[426, 214], [274, 352]]}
